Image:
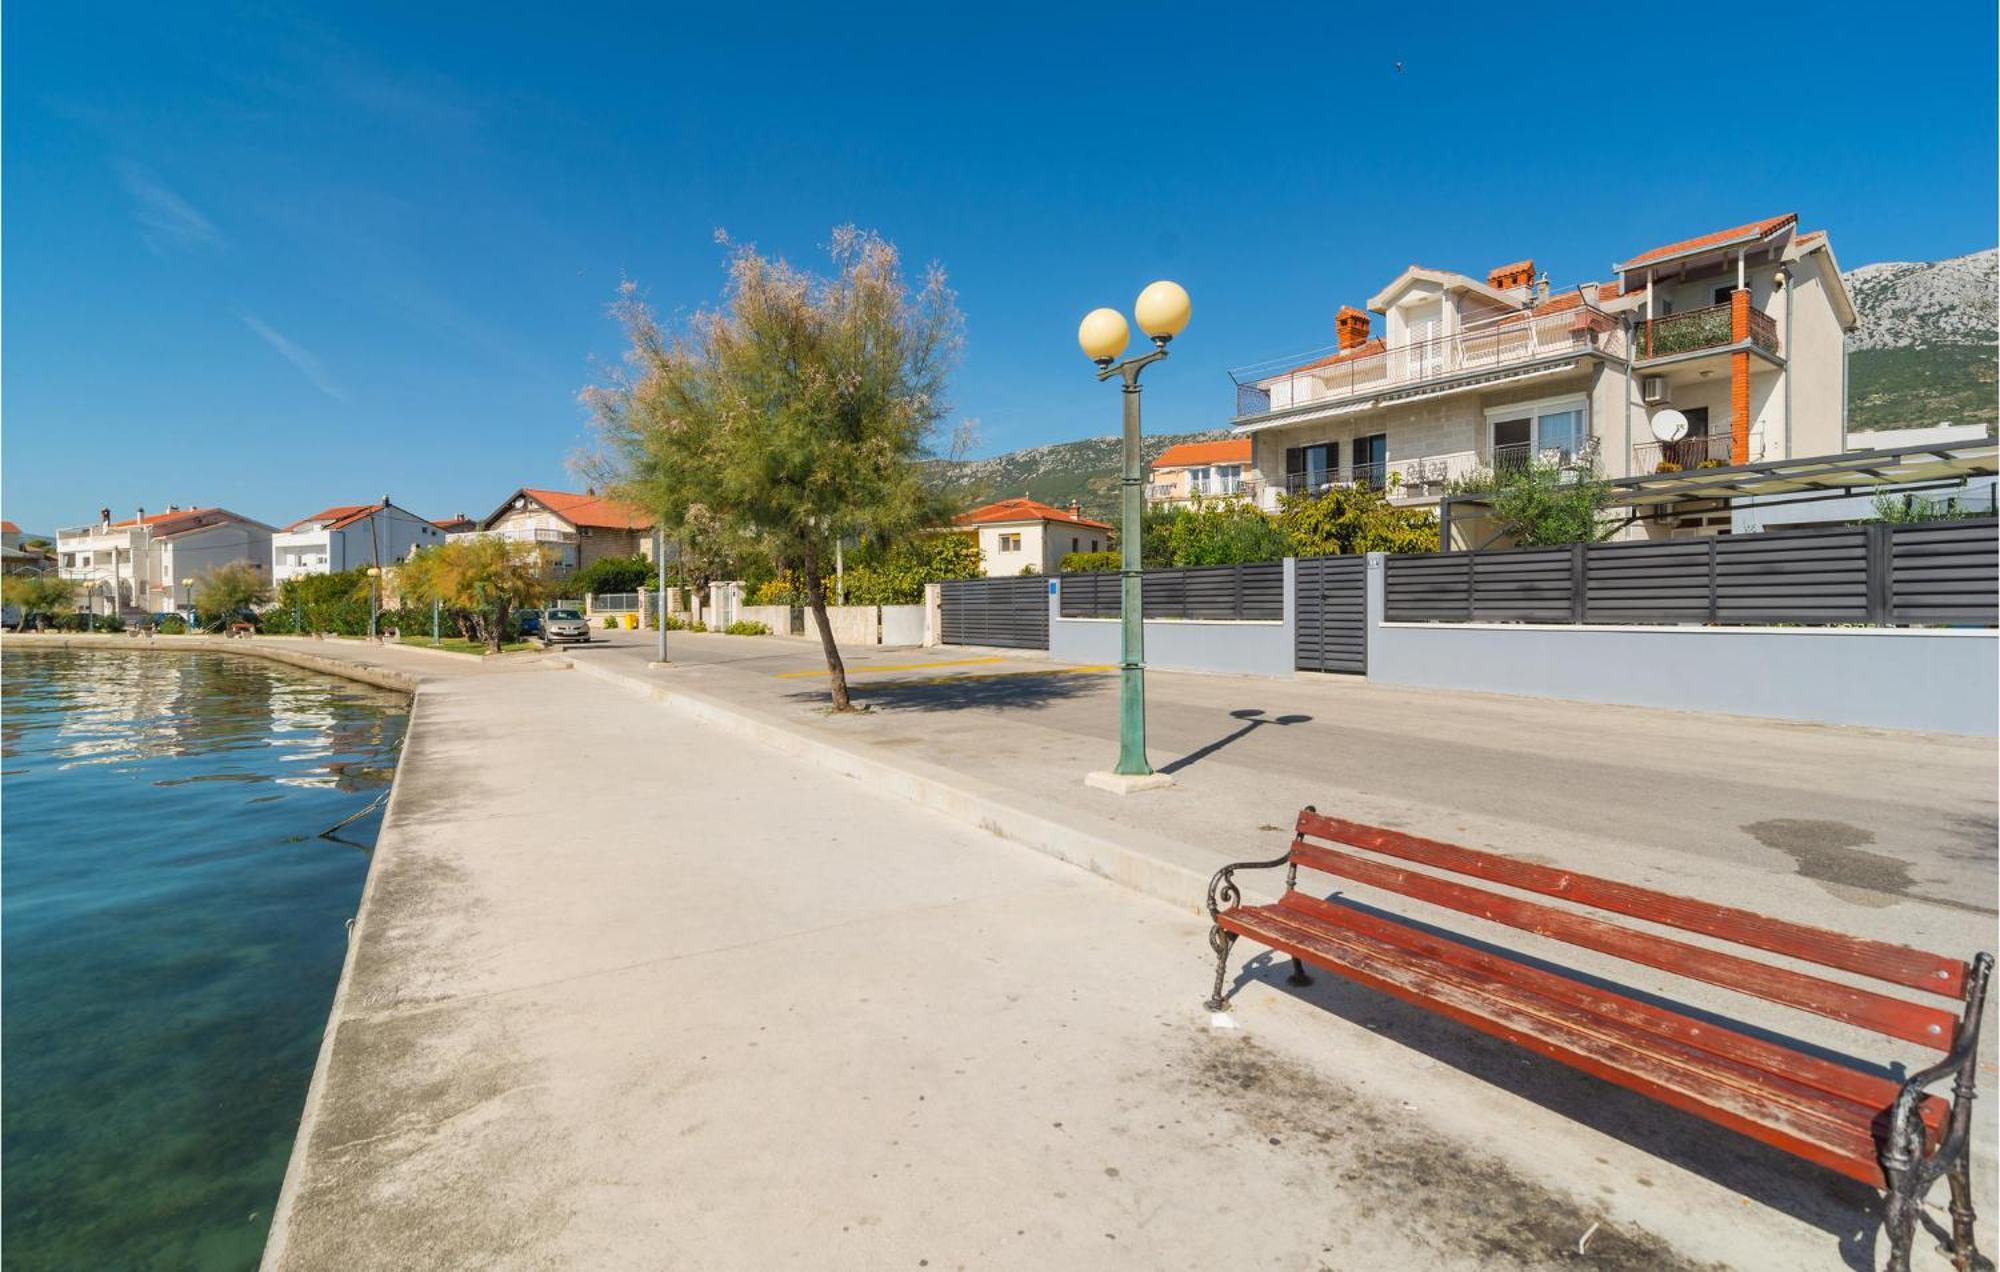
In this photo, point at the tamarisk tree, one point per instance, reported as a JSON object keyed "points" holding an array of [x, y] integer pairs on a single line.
{"points": [[790, 417]]}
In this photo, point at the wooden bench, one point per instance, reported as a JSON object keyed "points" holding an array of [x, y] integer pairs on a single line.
{"points": [[1888, 1133]]}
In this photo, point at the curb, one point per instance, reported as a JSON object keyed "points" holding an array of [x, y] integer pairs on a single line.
{"points": [[1101, 847]]}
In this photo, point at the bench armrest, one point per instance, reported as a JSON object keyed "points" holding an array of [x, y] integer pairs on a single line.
{"points": [[1222, 892], [1905, 1146]]}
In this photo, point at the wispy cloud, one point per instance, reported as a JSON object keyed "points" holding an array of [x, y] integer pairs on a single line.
{"points": [[308, 364], [167, 222]]}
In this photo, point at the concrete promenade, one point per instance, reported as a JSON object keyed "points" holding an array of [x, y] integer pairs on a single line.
{"points": [[650, 983]]}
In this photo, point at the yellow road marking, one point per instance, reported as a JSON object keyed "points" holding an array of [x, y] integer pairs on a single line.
{"points": [[988, 675], [922, 666]]}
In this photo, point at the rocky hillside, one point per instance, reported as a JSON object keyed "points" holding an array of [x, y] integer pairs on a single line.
{"points": [[1086, 471], [1925, 350]]}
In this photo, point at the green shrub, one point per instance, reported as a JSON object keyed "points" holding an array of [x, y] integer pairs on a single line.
{"points": [[610, 622], [608, 575], [1092, 562], [747, 627], [171, 625]]}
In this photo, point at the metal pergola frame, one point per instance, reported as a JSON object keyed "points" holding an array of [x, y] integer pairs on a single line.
{"points": [[1803, 480]]}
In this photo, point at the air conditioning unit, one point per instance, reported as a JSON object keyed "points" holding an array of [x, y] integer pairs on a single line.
{"points": [[1652, 389]]}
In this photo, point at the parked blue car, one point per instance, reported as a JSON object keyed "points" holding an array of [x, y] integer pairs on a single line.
{"points": [[529, 621]]}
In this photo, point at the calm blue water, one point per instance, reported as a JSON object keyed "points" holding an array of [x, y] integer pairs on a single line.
{"points": [[173, 933]]}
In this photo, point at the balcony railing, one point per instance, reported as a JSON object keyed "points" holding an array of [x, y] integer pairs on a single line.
{"points": [[1502, 342], [1710, 450], [1245, 487], [536, 535], [1698, 329]]}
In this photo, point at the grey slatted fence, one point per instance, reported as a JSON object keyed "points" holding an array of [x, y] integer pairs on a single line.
{"points": [[1332, 614], [1925, 572], [1012, 613], [1216, 593], [1945, 572]]}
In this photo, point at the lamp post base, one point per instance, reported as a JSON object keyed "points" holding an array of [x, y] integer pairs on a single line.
{"points": [[1127, 783]]}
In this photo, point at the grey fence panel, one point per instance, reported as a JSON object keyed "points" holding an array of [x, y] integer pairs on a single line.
{"points": [[1226, 593], [1012, 613], [1927, 572], [1945, 572], [1331, 614]]}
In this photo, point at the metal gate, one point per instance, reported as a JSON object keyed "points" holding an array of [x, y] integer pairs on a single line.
{"points": [[1013, 613], [1332, 614]]}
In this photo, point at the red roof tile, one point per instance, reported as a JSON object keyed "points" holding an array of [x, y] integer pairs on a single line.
{"points": [[1751, 231], [9, 527], [1233, 450], [1009, 510], [593, 510], [340, 516], [1377, 345]]}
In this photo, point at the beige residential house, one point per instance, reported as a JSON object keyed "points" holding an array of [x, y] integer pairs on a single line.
{"points": [[1204, 471], [1024, 536], [575, 529], [1741, 332]]}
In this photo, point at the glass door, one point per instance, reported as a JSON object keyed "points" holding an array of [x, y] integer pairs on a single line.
{"points": [[1371, 456]]}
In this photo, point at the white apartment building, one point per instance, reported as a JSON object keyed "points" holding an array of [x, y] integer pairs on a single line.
{"points": [[1024, 536], [137, 566], [1742, 331], [349, 537]]}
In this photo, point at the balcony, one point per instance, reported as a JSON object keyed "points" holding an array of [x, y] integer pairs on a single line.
{"points": [[1248, 487], [1514, 340], [534, 535], [1713, 450], [1424, 477], [1699, 329]]}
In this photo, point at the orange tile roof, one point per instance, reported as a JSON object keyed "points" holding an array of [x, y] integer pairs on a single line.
{"points": [[1233, 450], [340, 515], [1753, 230], [1008, 510], [158, 517], [593, 510], [9, 527]]}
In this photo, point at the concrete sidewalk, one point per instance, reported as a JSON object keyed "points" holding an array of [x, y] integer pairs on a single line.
{"points": [[680, 1001]]}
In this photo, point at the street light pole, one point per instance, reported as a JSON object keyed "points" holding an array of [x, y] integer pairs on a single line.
{"points": [[660, 561], [374, 598], [1162, 311]]}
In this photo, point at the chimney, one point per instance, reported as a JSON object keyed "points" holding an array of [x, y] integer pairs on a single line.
{"points": [[1352, 326], [1075, 509], [1519, 276], [1542, 289]]}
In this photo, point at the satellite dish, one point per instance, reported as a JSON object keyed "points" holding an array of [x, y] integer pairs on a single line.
{"points": [[1669, 425]]}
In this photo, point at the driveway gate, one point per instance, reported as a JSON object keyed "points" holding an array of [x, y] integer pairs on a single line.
{"points": [[1332, 614], [1013, 613]]}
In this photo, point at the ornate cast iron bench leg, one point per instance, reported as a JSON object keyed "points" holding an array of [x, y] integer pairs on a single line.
{"points": [[1910, 1172], [1219, 941]]}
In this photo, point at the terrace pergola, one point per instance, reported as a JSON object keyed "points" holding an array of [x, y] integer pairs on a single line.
{"points": [[1777, 482]]}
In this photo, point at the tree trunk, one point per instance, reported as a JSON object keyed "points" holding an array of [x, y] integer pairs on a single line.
{"points": [[836, 670], [499, 630]]}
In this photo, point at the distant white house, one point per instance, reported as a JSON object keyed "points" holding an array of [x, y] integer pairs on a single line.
{"points": [[349, 537], [1015, 534], [136, 566]]}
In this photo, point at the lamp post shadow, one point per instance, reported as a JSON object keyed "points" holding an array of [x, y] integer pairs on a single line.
{"points": [[1253, 718]]}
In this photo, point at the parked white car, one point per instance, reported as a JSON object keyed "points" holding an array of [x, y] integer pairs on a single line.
{"points": [[565, 626]]}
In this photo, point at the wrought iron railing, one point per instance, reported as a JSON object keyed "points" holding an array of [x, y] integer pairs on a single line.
{"points": [[1710, 450], [1501, 342]]}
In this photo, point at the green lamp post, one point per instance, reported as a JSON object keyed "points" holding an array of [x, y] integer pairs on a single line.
{"points": [[1162, 311]]}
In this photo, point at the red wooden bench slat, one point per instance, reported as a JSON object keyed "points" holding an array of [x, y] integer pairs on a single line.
{"points": [[1896, 964], [1864, 1089], [1912, 1022], [1566, 1035]]}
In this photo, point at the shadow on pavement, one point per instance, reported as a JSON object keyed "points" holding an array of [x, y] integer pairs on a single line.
{"points": [[1253, 718], [1027, 691], [1845, 1210]]}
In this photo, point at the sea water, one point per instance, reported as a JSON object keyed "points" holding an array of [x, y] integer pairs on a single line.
{"points": [[174, 926]]}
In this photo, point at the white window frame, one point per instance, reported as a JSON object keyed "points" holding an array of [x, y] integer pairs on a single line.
{"points": [[1004, 536], [1535, 410]]}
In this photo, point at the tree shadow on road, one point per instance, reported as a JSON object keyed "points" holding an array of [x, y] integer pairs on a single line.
{"points": [[1846, 1210], [1020, 691]]}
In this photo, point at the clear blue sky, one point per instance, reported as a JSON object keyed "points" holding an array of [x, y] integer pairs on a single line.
{"points": [[279, 261]]}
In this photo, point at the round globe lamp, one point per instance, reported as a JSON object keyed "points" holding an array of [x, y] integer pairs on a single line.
{"points": [[1162, 310], [1103, 335]]}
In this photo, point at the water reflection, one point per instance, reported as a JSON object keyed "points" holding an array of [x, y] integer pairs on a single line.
{"points": [[172, 934]]}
